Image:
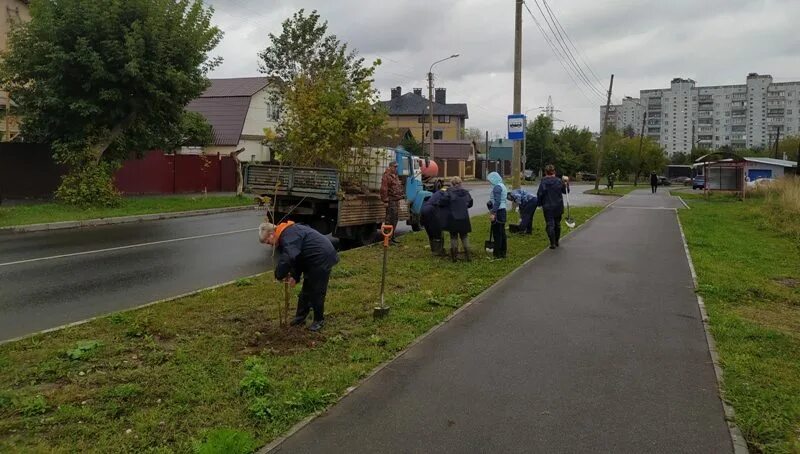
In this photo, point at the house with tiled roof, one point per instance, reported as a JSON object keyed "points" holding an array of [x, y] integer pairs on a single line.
{"points": [[410, 112], [238, 110]]}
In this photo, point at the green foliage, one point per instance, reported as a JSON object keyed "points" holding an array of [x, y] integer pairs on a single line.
{"points": [[680, 159], [571, 149], [89, 185], [101, 79], [262, 409], [325, 93], [225, 441], [411, 145], [82, 350], [33, 406], [255, 381], [195, 130], [244, 282]]}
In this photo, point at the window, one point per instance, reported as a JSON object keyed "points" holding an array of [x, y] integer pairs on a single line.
{"points": [[438, 134], [716, 137], [788, 111], [273, 112], [444, 118]]}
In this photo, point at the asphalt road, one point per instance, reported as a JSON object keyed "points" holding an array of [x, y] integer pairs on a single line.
{"points": [[595, 347], [48, 279]]}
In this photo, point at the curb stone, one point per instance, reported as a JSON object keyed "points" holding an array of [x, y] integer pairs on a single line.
{"points": [[119, 220]]}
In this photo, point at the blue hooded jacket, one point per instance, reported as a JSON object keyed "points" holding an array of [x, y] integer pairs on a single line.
{"points": [[499, 192], [521, 197]]}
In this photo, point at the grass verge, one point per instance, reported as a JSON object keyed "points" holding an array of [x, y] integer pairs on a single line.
{"points": [[619, 190], [216, 369], [748, 271], [55, 212]]}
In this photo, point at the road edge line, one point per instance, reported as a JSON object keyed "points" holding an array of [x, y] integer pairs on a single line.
{"points": [[483, 296], [737, 439], [65, 225]]}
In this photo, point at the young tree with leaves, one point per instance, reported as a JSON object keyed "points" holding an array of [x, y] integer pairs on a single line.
{"points": [[100, 79], [325, 93]]}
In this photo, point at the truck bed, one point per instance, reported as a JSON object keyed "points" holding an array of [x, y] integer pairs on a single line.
{"points": [[313, 182], [365, 209]]}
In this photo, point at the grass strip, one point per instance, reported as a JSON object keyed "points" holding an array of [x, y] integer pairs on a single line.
{"points": [[55, 212], [619, 190], [748, 271], [215, 368]]}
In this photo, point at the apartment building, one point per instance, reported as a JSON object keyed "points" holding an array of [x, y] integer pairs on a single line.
{"points": [[750, 115], [627, 114]]}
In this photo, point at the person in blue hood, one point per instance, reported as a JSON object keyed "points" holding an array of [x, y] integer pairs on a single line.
{"points": [[551, 199], [498, 214], [527, 207]]}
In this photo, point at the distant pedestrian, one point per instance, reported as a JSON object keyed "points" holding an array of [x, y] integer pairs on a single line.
{"points": [[653, 182], [303, 253], [550, 195], [498, 214], [434, 219], [391, 195], [458, 202], [527, 208]]}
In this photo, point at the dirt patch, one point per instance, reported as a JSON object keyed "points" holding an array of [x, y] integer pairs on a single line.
{"points": [[282, 341], [788, 282], [782, 317]]}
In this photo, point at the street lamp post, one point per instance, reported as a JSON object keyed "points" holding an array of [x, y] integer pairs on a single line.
{"points": [[430, 100]]}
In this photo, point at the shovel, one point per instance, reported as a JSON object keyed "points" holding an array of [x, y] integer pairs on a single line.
{"points": [[383, 310], [569, 221], [489, 244]]}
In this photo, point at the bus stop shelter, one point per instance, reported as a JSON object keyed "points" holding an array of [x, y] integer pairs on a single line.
{"points": [[723, 172]]}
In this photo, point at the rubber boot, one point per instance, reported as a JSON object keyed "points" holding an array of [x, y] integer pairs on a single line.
{"points": [[454, 254]]}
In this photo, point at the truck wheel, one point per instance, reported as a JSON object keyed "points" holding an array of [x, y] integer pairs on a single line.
{"points": [[365, 235]]}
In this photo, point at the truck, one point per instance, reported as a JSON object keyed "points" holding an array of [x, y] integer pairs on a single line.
{"points": [[346, 205]]}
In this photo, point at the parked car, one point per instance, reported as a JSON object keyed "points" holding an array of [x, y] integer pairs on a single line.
{"points": [[760, 182], [699, 182], [529, 175], [663, 181], [685, 181], [588, 177]]}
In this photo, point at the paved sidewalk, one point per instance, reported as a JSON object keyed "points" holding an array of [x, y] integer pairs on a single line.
{"points": [[595, 347]]}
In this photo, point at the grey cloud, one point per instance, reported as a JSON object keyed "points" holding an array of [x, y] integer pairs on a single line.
{"points": [[644, 43]]}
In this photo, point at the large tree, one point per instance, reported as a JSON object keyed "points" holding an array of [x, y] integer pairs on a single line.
{"points": [[324, 91], [540, 145], [99, 79]]}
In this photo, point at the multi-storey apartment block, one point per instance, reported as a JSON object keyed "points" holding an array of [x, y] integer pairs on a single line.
{"points": [[685, 115]]}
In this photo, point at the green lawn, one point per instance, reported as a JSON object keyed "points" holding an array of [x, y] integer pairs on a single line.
{"points": [[748, 266], [164, 377], [54, 212], [619, 190]]}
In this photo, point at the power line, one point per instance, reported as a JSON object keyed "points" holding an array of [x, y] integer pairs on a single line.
{"points": [[559, 57], [567, 53], [580, 54]]}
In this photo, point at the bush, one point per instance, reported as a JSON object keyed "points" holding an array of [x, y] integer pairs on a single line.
{"points": [[90, 185], [782, 208]]}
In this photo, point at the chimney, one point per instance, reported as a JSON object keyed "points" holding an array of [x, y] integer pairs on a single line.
{"points": [[418, 91], [397, 92], [440, 97]]}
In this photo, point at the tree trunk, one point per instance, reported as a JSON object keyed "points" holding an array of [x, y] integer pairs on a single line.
{"points": [[239, 176], [99, 148]]}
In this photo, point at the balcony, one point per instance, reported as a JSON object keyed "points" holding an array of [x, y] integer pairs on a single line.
{"points": [[775, 120], [705, 121], [740, 128], [654, 107], [776, 112], [705, 129], [739, 121], [705, 98], [739, 104], [738, 112], [739, 96]]}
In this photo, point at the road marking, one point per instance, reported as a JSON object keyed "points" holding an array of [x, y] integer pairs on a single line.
{"points": [[131, 246]]}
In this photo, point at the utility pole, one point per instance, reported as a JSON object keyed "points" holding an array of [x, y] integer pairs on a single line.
{"points": [[517, 154], [602, 136], [777, 140], [641, 142], [430, 110]]}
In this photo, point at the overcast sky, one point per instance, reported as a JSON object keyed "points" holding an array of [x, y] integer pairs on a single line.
{"points": [[645, 43]]}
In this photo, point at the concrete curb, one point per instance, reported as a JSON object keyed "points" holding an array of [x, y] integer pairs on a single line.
{"points": [[482, 297], [738, 440], [118, 220]]}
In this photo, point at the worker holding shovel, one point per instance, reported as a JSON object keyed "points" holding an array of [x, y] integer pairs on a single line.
{"points": [[551, 199], [303, 253]]}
